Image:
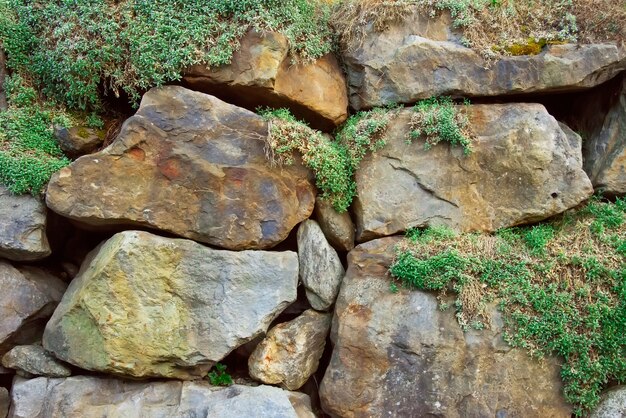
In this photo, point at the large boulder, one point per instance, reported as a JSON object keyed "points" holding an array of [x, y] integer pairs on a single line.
{"points": [[84, 396], [28, 297], [418, 57], [398, 354], [604, 147], [261, 73], [523, 168], [612, 404], [189, 164], [34, 360], [291, 351], [22, 227], [143, 305], [320, 267]]}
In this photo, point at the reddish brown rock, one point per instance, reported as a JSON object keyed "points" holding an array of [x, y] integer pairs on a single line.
{"points": [[262, 74], [398, 354], [189, 164]]}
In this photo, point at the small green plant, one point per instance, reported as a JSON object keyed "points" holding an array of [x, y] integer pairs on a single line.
{"points": [[438, 119], [219, 377], [560, 285]]}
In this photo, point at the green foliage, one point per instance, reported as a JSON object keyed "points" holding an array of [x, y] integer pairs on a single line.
{"points": [[438, 119], [561, 287], [219, 377], [333, 161], [29, 154], [71, 50]]}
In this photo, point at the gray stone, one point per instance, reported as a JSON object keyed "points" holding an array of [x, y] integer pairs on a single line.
{"points": [[83, 396], [22, 227], [28, 298], [418, 57], [320, 268], [612, 404], [5, 402], [78, 140], [337, 227], [291, 352], [398, 354], [144, 305], [523, 168], [33, 360], [189, 164]]}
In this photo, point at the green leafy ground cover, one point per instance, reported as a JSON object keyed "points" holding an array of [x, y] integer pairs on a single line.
{"points": [[561, 287]]}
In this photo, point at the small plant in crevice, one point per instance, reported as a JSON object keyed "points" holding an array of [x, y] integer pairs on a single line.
{"points": [[438, 119], [218, 376], [560, 285]]}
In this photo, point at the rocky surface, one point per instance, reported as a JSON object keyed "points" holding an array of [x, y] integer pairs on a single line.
{"points": [[337, 227], [416, 58], [262, 73], [28, 297], [192, 165], [78, 140], [22, 227], [291, 351], [84, 396], [398, 354], [320, 267], [612, 405], [5, 402], [604, 147], [523, 168], [33, 360], [143, 305]]}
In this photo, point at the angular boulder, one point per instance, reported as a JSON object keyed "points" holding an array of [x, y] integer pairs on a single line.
{"points": [[78, 140], [84, 396], [33, 360], [291, 351], [398, 354], [261, 73], [147, 306], [604, 147], [192, 165], [419, 57], [28, 297], [22, 227], [612, 404], [337, 227], [523, 168]]}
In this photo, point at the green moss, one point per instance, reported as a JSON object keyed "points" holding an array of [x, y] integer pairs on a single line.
{"points": [[531, 47], [561, 287]]}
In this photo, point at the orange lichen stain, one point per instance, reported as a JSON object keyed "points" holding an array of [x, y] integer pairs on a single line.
{"points": [[137, 154], [359, 311], [170, 169]]}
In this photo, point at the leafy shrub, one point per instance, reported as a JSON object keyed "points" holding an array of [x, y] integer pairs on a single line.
{"points": [[561, 287], [219, 377]]}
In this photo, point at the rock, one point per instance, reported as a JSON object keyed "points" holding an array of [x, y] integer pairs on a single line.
{"points": [[291, 352], [320, 268], [22, 227], [262, 73], [604, 147], [523, 168], [78, 140], [5, 402], [84, 396], [192, 165], [612, 405], [337, 227], [28, 298], [418, 57], [398, 354], [33, 360], [143, 305]]}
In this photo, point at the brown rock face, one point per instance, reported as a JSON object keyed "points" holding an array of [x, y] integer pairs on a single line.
{"points": [[192, 165], [262, 74], [397, 354], [419, 57], [523, 168], [338, 227]]}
